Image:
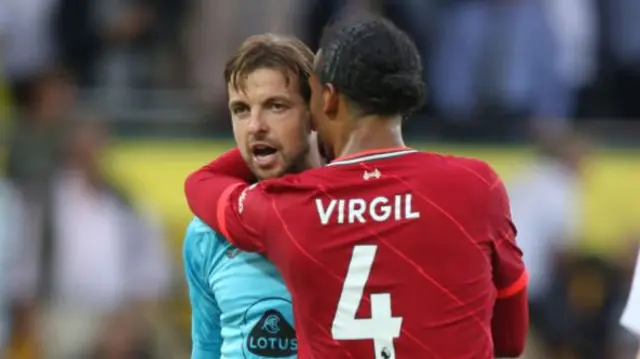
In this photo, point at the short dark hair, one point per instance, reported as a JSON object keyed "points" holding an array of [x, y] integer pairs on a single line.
{"points": [[280, 52], [374, 64]]}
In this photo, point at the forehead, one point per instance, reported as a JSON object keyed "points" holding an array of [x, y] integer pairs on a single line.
{"points": [[263, 84]]}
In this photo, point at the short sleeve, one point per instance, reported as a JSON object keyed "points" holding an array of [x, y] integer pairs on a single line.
{"points": [[509, 274], [205, 317], [631, 315]]}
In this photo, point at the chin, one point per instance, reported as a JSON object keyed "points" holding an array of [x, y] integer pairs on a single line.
{"points": [[263, 174]]}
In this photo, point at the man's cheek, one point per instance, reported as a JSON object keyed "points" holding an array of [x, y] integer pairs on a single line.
{"points": [[283, 159], [246, 155]]}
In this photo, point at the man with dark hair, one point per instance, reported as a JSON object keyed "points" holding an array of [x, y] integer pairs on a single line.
{"points": [[372, 69], [388, 252], [240, 305]]}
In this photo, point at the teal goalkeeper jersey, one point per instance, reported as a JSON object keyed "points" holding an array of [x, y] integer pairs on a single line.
{"points": [[240, 305]]}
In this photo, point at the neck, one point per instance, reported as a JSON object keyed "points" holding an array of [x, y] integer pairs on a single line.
{"points": [[313, 158], [371, 133]]}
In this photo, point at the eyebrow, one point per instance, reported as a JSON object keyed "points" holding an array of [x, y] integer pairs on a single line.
{"points": [[235, 103], [278, 98], [267, 100]]}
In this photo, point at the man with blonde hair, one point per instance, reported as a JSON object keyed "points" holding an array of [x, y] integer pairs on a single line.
{"points": [[241, 307]]}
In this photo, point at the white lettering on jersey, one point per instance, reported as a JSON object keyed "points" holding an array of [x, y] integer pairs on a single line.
{"points": [[243, 196], [357, 210]]}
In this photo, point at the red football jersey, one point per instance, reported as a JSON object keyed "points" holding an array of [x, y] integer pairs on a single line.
{"points": [[387, 254]]}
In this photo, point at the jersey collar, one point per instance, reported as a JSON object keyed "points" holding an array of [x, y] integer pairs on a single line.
{"points": [[371, 155]]}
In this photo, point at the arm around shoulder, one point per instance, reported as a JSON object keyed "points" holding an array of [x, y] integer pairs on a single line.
{"points": [[220, 195]]}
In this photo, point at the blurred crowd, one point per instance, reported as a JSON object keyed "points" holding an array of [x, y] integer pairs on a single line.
{"points": [[493, 66], [82, 268], [85, 271]]}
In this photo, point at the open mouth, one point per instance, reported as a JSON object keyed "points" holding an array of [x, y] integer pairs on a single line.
{"points": [[264, 155]]}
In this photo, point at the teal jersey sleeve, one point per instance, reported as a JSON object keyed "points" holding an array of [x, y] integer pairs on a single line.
{"points": [[241, 308], [205, 317]]}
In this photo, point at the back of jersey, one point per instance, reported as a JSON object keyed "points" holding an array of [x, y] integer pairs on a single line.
{"points": [[402, 256]]}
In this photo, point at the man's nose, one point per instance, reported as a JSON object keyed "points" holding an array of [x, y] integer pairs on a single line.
{"points": [[257, 124]]}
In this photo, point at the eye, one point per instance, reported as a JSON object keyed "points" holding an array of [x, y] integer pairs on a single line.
{"points": [[278, 107], [239, 110]]}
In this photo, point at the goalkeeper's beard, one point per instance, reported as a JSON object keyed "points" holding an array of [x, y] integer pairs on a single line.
{"points": [[292, 164]]}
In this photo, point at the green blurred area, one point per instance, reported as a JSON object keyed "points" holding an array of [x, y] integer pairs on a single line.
{"points": [[154, 171]]}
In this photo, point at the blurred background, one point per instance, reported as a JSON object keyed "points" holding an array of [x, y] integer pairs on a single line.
{"points": [[107, 105]]}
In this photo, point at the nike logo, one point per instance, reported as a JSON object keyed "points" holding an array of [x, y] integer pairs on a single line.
{"points": [[375, 174]]}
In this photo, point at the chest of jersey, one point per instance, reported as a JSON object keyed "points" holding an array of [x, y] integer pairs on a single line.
{"points": [[367, 251]]}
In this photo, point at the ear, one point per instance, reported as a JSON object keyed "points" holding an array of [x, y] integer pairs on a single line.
{"points": [[331, 100]]}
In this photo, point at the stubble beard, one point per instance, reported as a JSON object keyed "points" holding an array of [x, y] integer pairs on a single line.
{"points": [[292, 165], [298, 163]]}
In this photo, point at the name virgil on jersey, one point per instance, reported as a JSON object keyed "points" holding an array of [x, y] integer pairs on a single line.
{"points": [[358, 210]]}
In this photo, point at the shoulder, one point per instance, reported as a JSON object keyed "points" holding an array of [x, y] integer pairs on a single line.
{"points": [[197, 227], [470, 171], [202, 244], [477, 167], [202, 237], [290, 183]]}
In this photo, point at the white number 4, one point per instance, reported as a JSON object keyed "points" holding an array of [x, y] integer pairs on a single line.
{"points": [[382, 327]]}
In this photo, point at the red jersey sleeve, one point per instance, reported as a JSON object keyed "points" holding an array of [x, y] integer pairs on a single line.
{"points": [[509, 274], [510, 325], [221, 196]]}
